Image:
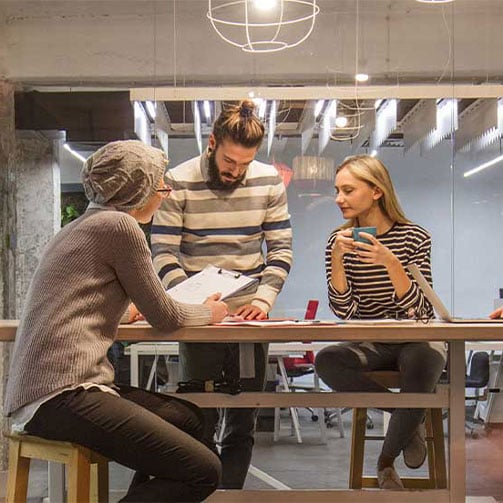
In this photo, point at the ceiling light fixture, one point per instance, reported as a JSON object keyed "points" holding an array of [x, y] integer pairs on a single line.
{"points": [[207, 110], [74, 153], [197, 126], [262, 26], [486, 165], [318, 107], [265, 4], [341, 121], [434, 1], [151, 109], [272, 125], [362, 77]]}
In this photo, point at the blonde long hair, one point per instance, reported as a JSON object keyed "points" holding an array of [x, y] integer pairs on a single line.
{"points": [[372, 171]]}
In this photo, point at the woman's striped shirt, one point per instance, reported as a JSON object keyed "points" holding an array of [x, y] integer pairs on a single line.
{"points": [[370, 292]]}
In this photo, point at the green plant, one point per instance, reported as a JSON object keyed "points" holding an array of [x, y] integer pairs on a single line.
{"points": [[68, 213]]}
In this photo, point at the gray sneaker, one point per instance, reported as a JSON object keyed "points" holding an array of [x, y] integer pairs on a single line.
{"points": [[387, 478], [414, 453]]}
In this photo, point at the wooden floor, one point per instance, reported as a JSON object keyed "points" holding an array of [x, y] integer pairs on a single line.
{"points": [[485, 463]]}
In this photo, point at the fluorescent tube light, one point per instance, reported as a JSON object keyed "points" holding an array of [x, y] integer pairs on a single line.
{"points": [[207, 110], [488, 164], [262, 108], [150, 105], [74, 153], [318, 107], [265, 4]]}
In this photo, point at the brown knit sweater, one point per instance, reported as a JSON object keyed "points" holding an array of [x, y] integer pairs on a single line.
{"points": [[87, 276]]}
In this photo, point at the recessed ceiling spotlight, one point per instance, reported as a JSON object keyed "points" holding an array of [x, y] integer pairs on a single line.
{"points": [[361, 77]]}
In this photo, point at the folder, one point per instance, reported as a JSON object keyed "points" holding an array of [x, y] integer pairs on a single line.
{"points": [[197, 288]]}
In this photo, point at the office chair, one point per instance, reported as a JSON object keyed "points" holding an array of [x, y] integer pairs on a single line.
{"points": [[297, 367], [477, 378]]}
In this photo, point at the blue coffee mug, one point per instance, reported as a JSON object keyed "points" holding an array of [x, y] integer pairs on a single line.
{"points": [[361, 239]]}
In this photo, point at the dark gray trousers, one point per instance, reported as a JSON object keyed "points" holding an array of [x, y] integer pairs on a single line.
{"points": [[209, 361], [342, 367], [151, 433]]}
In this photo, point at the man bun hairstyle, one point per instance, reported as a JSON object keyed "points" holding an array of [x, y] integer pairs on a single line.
{"points": [[239, 124]]}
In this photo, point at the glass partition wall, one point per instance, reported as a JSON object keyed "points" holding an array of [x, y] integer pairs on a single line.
{"points": [[417, 55]]}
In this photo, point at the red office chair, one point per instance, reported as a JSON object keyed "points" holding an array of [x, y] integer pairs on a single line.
{"points": [[301, 365], [298, 366]]}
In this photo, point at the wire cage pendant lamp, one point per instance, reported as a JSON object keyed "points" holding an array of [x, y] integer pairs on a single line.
{"points": [[262, 26]]}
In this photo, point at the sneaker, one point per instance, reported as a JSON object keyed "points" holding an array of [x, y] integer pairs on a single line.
{"points": [[387, 478], [414, 453]]}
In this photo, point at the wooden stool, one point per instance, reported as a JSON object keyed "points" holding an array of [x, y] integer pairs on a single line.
{"points": [[437, 478], [87, 471]]}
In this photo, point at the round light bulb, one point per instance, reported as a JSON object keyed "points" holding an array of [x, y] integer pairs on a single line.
{"points": [[265, 4], [361, 77], [341, 121]]}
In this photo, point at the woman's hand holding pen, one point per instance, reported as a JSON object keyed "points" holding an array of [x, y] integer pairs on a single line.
{"points": [[219, 309]]}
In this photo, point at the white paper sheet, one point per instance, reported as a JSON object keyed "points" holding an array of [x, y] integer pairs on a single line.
{"points": [[197, 288]]}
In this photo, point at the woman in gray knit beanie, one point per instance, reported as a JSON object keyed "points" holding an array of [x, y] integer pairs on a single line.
{"points": [[61, 385], [123, 174]]}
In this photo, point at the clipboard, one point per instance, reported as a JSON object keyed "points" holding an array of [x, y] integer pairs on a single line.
{"points": [[197, 288]]}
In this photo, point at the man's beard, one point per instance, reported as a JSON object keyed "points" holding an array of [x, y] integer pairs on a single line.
{"points": [[216, 181]]}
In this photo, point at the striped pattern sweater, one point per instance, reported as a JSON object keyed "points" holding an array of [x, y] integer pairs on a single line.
{"points": [[370, 292], [197, 226], [79, 292]]}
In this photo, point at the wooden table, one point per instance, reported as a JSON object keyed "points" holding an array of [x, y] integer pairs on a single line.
{"points": [[453, 398]]}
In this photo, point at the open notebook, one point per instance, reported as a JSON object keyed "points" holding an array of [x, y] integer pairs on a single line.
{"points": [[437, 303]]}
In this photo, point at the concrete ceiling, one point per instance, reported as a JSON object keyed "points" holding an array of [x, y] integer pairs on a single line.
{"points": [[171, 42], [90, 46]]}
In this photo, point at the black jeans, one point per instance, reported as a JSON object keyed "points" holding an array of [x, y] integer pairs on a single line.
{"points": [[342, 367], [154, 434], [204, 361]]}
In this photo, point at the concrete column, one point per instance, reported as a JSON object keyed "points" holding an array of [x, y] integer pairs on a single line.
{"points": [[38, 203], [7, 217], [30, 204]]}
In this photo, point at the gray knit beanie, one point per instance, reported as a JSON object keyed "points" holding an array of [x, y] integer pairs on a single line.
{"points": [[123, 174]]}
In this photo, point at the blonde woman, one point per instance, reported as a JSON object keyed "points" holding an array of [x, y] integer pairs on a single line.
{"points": [[368, 280]]}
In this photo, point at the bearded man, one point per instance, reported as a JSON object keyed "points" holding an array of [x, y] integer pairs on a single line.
{"points": [[224, 206]]}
